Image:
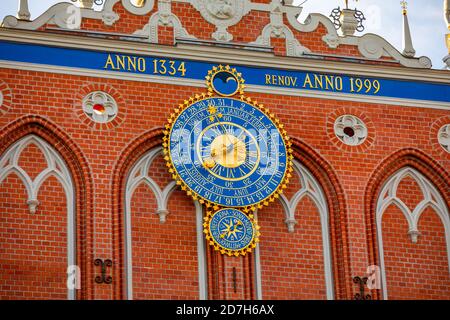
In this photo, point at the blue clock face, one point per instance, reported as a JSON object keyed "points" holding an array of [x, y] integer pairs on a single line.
{"points": [[231, 229], [228, 152]]}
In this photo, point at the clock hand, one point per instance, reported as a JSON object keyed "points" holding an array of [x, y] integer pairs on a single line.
{"points": [[235, 229], [209, 163], [227, 230], [215, 116], [224, 131]]}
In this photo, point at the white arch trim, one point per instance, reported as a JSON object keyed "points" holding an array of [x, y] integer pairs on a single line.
{"points": [[56, 167], [431, 198], [309, 188], [137, 176]]}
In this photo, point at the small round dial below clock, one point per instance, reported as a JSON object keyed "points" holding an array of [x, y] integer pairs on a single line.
{"points": [[231, 231], [228, 152]]}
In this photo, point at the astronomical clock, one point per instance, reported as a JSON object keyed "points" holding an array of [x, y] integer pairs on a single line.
{"points": [[232, 155]]}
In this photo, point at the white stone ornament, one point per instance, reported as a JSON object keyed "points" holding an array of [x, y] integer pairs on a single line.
{"points": [[350, 130], [277, 29], [163, 17], [222, 14], [1, 98], [100, 107], [444, 137]]}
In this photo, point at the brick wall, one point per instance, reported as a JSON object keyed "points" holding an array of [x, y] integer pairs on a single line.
{"points": [[345, 175], [292, 263], [164, 255], [33, 248], [33, 254], [420, 270]]}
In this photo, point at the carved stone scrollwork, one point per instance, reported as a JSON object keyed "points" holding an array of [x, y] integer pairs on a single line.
{"points": [[222, 14], [374, 47], [277, 29], [370, 45], [163, 17]]}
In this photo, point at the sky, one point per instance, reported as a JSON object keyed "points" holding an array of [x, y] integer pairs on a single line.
{"points": [[383, 17]]}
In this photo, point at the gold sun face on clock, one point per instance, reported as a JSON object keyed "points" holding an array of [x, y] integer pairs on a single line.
{"points": [[228, 151]]}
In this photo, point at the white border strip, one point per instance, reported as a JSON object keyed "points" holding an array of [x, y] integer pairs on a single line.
{"points": [[201, 84], [201, 253]]}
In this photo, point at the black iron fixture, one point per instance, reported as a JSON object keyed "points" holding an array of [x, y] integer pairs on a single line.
{"points": [[360, 17], [103, 278], [362, 284], [336, 17]]}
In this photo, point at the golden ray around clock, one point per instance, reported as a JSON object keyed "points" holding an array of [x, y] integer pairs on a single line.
{"points": [[234, 158], [226, 150]]}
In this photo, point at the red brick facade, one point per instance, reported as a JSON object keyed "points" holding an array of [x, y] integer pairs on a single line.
{"points": [[165, 256]]}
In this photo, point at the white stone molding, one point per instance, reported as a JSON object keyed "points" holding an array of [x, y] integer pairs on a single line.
{"points": [[201, 253], [222, 14], [163, 17], [370, 46], [137, 176], [444, 137], [277, 29], [57, 14], [447, 61], [257, 276], [311, 23], [431, 199], [356, 126], [56, 167], [24, 12], [104, 99], [1, 98], [311, 188]]}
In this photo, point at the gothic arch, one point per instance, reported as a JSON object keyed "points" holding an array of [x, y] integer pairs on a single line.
{"points": [[130, 172], [432, 179], [324, 175], [67, 164], [309, 188]]}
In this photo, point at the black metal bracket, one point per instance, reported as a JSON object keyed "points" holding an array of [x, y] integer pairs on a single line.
{"points": [[336, 15], [336, 18], [103, 278], [362, 285]]}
